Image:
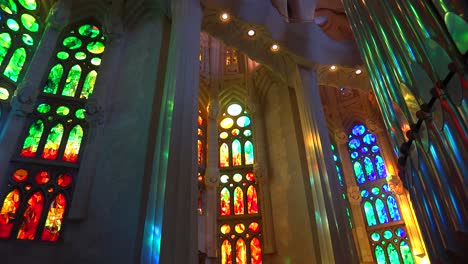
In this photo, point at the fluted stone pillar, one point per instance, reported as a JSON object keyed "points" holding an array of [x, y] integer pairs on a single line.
{"points": [[23, 104], [336, 242]]}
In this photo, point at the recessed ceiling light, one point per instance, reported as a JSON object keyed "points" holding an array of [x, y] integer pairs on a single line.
{"points": [[275, 47], [251, 33], [224, 17], [358, 71], [333, 68]]}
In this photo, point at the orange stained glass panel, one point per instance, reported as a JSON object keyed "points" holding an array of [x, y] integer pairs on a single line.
{"points": [[8, 213], [224, 155], [249, 176], [225, 202], [20, 175], [255, 251], [236, 153], [52, 145], [238, 201], [200, 120], [42, 177], [226, 252], [54, 219], [241, 252], [72, 148], [31, 217], [200, 152], [64, 180], [252, 205]]}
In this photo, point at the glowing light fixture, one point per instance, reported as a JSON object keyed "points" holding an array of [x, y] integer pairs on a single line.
{"points": [[275, 47], [333, 68], [251, 33], [224, 17], [358, 71]]}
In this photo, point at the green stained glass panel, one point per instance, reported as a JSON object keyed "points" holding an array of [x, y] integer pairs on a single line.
{"points": [[5, 43], [53, 81], [243, 121], [43, 108], [8, 6], [32, 140], [63, 55], [381, 211], [458, 29], [88, 85], [371, 175], [96, 61], [370, 216], [72, 42], [28, 40], [15, 65], [29, 22], [4, 94], [393, 254], [249, 152], [95, 47], [387, 234], [359, 173], [28, 4], [12, 24], [63, 111], [88, 31], [80, 55], [71, 83], [375, 236], [406, 253], [393, 208], [380, 255], [247, 133], [53, 142], [73, 144], [80, 113]]}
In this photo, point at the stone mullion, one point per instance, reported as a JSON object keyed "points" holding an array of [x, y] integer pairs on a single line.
{"points": [[24, 103]]}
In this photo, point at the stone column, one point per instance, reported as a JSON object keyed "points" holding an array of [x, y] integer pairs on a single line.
{"points": [[24, 102], [212, 179], [97, 108], [334, 234], [179, 112]]}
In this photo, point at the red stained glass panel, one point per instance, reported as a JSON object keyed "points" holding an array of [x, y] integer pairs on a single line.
{"points": [[225, 202], [252, 205], [241, 252], [254, 227], [20, 175], [32, 140], [226, 252], [8, 213], [54, 219], [250, 176], [72, 148], [238, 201], [255, 251], [52, 145], [64, 180], [42, 177], [31, 217]]}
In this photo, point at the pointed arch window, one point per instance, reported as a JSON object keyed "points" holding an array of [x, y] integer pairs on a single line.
{"points": [[43, 173], [239, 218], [201, 157], [385, 227], [21, 28]]}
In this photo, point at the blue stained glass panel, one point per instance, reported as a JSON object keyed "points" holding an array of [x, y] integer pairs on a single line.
{"points": [[400, 232], [379, 163], [364, 193], [375, 149], [354, 143], [369, 169], [354, 155], [369, 139], [381, 211], [386, 188], [380, 255], [335, 158], [393, 208], [359, 130], [359, 173], [370, 216], [364, 150]]}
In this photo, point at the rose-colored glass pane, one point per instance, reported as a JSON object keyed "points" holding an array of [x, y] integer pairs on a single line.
{"points": [[225, 202], [241, 252], [226, 252], [252, 205], [224, 155], [42, 177], [250, 176], [31, 217], [20, 175], [64, 180], [236, 153], [238, 201], [255, 251], [54, 219], [8, 213]]}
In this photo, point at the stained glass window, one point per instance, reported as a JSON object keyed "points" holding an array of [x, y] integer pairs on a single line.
{"points": [[240, 219], [339, 172], [21, 27], [386, 229], [55, 136], [201, 158]]}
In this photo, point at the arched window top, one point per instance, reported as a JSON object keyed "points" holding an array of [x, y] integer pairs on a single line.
{"points": [[365, 155]]}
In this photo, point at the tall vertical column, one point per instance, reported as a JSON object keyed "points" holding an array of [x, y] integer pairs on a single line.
{"points": [[334, 234], [179, 225], [28, 90]]}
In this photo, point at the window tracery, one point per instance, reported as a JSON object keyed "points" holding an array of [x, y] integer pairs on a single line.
{"points": [[43, 174]]}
